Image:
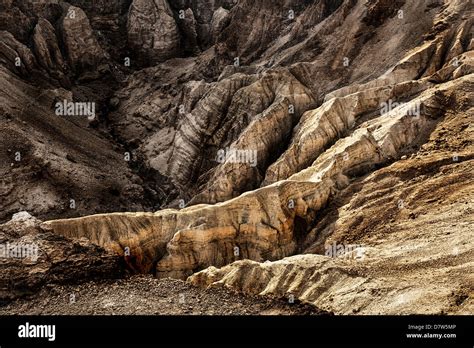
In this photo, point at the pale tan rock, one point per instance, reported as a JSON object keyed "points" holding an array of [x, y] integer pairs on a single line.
{"points": [[406, 70], [320, 127], [179, 145], [277, 110], [379, 272], [458, 66], [196, 126]]}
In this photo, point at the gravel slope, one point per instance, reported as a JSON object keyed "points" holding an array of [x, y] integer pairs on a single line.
{"points": [[145, 295]]}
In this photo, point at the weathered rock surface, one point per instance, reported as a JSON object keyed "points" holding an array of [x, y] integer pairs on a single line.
{"points": [[345, 117], [187, 24], [152, 30], [220, 19], [16, 56], [31, 257], [265, 224], [209, 16], [175, 133], [47, 51], [378, 272], [83, 50], [58, 161], [319, 128]]}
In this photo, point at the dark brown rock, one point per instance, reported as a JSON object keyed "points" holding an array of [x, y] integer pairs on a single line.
{"points": [[31, 257], [83, 51], [152, 30]]}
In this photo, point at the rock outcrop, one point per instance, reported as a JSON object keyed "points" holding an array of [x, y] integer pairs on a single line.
{"points": [[245, 138], [31, 257], [321, 127], [16, 56], [47, 51], [83, 51], [220, 19], [152, 30]]}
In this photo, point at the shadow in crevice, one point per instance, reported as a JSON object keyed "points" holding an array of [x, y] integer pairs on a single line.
{"points": [[317, 232]]}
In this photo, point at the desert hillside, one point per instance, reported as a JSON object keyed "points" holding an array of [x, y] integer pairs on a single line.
{"points": [[318, 153]]}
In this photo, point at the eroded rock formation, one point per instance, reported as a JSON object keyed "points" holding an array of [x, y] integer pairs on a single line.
{"points": [[47, 50], [31, 257], [152, 30], [83, 51], [263, 224], [337, 112]]}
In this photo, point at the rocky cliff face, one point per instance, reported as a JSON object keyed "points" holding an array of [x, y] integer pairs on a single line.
{"points": [[240, 135]]}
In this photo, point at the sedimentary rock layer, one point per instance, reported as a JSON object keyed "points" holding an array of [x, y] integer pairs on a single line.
{"points": [[341, 114]]}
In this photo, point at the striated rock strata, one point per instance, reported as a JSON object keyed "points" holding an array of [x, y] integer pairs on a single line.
{"points": [[351, 123]]}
